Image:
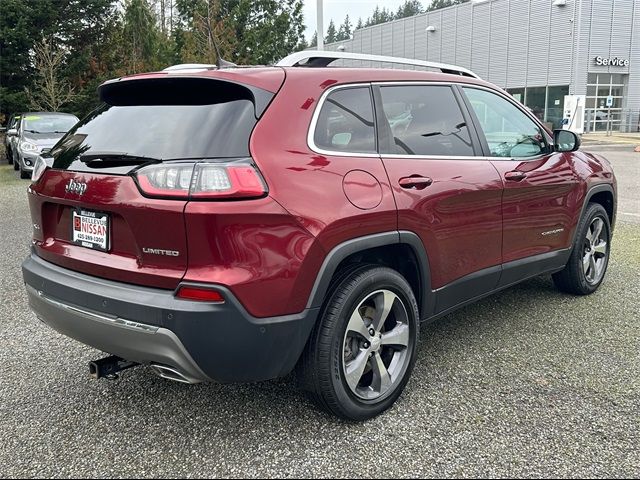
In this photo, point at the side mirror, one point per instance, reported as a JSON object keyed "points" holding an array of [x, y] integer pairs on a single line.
{"points": [[566, 141], [12, 132]]}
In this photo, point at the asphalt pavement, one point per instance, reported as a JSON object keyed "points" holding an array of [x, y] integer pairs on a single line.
{"points": [[529, 382]]}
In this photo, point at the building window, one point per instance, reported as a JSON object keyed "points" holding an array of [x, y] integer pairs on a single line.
{"points": [[517, 93], [546, 103], [555, 105], [535, 99], [598, 115]]}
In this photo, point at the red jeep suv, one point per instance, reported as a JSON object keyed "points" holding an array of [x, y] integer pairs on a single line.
{"points": [[232, 225]]}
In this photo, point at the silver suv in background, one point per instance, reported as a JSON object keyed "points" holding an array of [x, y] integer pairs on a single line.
{"points": [[37, 131]]}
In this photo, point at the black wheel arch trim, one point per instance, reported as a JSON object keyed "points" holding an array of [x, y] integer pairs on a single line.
{"points": [[595, 189], [367, 242]]}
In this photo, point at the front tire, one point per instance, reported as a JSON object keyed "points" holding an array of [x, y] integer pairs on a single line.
{"points": [[363, 349], [9, 156], [589, 259], [16, 165], [24, 175]]}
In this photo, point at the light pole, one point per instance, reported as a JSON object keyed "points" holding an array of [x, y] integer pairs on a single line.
{"points": [[319, 26]]}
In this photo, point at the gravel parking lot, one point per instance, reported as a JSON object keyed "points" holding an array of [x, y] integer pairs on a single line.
{"points": [[529, 382]]}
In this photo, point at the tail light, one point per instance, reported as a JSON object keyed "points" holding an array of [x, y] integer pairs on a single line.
{"points": [[202, 180]]}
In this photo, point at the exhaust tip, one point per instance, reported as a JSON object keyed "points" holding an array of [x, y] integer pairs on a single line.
{"points": [[170, 373]]}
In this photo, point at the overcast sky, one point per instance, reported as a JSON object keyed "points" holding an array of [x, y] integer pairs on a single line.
{"points": [[337, 9]]}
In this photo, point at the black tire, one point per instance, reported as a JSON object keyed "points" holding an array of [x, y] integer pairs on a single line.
{"points": [[16, 166], [9, 156], [574, 279], [321, 370], [24, 175]]}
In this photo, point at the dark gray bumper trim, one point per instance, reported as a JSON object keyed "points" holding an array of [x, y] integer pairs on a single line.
{"points": [[134, 341]]}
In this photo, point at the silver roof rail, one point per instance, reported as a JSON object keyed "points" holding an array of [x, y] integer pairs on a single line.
{"points": [[322, 58], [190, 67]]}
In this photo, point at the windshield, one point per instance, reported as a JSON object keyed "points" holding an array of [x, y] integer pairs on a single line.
{"points": [[164, 132], [48, 123]]}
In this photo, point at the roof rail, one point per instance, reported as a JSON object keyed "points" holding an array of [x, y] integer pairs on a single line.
{"points": [[190, 66], [322, 58]]}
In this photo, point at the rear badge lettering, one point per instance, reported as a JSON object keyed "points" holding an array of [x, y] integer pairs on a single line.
{"points": [[75, 187], [158, 251]]}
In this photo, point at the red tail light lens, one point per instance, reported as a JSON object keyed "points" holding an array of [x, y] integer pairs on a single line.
{"points": [[200, 294], [203, 180]]}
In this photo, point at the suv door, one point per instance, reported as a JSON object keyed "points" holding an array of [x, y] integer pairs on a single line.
{"points": [[445, 193], [540, 186]]}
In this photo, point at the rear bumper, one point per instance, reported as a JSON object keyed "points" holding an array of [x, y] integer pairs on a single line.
{"points": [[205, 342]]}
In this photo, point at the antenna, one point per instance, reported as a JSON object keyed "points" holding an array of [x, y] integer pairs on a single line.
{"points": [[220, 62]]}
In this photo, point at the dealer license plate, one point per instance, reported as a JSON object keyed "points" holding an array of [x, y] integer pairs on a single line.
{"points": [[90, 229]]}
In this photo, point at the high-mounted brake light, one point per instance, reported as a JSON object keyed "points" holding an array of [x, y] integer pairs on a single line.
{"points": [[200, 294], [204, 180]]}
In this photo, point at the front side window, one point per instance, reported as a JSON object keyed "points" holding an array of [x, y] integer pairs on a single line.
{"points": [[345, 122], [509, 132], [425, 120]]}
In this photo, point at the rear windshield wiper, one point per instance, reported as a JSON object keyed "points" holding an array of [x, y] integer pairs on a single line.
{"points": [[117, 158]]}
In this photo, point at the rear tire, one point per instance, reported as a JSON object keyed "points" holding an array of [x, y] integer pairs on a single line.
{"points": [[9, 156], [362, 351], [16, 166], [589, 259]]}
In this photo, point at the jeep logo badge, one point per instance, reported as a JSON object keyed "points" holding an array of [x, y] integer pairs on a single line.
{"points": [[76, 187]]}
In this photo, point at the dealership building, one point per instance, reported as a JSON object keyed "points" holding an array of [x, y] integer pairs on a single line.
{"points": [[540, 51]]}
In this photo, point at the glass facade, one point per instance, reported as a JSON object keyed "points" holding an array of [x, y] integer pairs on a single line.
{"points": [[546, 103], [600, 116]]}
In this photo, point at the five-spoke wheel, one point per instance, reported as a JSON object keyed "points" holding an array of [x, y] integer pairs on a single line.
{"points": [[375, 344], [363, 349]]}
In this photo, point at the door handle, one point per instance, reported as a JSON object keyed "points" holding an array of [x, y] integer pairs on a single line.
{"points": [[415, 182], [515, 176]]}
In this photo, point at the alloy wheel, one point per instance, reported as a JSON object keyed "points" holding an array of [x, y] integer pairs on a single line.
{"points": [[376, 345], [595, 251]]}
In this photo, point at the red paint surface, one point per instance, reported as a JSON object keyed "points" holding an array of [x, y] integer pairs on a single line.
{"points": [[268, 251]]}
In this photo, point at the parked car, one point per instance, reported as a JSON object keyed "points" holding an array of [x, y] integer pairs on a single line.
{"points": [[234, 225], [9, 140], [37, 131]]}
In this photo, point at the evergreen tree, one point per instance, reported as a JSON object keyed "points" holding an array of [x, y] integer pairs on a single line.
{"points": [[344, 33], [409, 8], [438, 4], [380, 15], [332, 35], [314, 40], [360, 24]]}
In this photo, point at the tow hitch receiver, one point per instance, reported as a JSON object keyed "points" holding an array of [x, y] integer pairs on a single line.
{"points": [[109, 367]]}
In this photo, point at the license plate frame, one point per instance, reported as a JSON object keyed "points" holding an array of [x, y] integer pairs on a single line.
{"points": [[91, 238]]}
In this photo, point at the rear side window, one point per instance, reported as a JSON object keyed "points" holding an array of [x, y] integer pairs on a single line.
{"points": [[345, 122], [425, 120]]}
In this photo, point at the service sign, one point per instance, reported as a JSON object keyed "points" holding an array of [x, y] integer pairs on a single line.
{"points": [[611, 62]]}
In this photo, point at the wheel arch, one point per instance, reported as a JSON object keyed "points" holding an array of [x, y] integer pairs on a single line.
{"points": [[401, 250], [604, 195]]}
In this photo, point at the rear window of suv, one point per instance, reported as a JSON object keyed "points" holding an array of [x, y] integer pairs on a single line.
{"points": [[219, 128]]}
